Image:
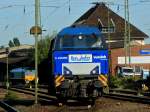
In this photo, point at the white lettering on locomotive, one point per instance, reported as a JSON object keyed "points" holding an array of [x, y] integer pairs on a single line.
{"points": [[80, 58]]}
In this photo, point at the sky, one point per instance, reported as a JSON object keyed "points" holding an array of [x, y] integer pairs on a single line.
{"points": [[17, 16]]}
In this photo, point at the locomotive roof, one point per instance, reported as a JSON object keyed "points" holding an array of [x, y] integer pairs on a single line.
{"points": [[80, 30], [21, 69], [18, 70]]}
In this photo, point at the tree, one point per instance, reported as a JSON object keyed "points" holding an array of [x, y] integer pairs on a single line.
{"points": [[16, 41], [2, 47], [43, 48], [11, 44]]}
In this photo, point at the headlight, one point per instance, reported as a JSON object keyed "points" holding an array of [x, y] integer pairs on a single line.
{"points": [[66, 71], [95, 71]]}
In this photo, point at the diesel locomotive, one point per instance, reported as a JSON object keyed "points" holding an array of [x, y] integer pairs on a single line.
{"points": [[79, 62], [23, 75]]}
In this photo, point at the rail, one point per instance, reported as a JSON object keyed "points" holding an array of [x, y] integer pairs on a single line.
{"points": [[128, 97], [7, 107], [70, 105]]}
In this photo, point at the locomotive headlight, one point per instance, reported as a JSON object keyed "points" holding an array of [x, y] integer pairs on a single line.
{"points": [[66, 71], [95, 70], [80, 37]]}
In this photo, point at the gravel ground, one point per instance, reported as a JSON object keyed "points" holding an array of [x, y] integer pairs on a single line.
{"points": [[111, 105], [37, 108], [102, 105], [2, 93], [2, 110]]}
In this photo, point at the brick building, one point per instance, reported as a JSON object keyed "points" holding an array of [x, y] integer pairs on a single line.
{"points": [[138, 58], [98, 16]]}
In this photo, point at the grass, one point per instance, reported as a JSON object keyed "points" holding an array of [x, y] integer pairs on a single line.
{"points": [[11, 96]]}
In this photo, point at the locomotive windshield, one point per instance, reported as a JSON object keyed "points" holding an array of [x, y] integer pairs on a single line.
{"points": [[79, 42]]}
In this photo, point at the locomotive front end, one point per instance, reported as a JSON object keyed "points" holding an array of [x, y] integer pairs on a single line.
{"points": [[80, 63]]}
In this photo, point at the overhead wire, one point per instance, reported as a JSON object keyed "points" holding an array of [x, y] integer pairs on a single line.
{"points": [[69, 2]]}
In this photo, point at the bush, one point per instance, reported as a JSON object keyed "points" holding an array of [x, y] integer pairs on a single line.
{"points": [[122, 82], [147, 82], [115, 82], [128, 83]]}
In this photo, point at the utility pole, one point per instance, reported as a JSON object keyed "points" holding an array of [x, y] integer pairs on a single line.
{"points": [[129, 36], [7, 76], [37, 23], [125, 31], [109, 46]]}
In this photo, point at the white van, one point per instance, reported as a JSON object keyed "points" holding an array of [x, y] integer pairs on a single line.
{"points": [[127, 71]]}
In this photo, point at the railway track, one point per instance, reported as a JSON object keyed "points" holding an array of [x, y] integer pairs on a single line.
{"points": [[128, 97], [42, 95], [127, 91], [77, 107], [41, 91], [7, 107], [69, 106]]}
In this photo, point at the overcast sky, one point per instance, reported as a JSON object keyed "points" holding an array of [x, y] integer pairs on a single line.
{"points": [[17, 16]]}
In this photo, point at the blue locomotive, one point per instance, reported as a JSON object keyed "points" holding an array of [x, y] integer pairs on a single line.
{"points": [[79, 62], [22, 75]]}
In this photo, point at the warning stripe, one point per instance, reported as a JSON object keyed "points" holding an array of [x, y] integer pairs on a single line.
{"points": [[58, 80], [103, 80], [56, 76]]}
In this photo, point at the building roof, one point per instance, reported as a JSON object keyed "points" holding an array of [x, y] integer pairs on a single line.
{"points": [[99, 14], [16, 54]]}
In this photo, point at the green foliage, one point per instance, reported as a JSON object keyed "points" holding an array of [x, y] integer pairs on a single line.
{"points": [[115, 82], [16, 41], [43, 47], [147, 82], [11, 44], [11, 96], [122, 82], [128, 83], [2, 47]]}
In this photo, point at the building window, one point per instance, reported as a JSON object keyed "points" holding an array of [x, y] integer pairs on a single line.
{"points": [[108, 29], [138, 69]]}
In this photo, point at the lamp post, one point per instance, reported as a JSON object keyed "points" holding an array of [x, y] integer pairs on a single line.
{"points": [[36, 31], [7, 62]]}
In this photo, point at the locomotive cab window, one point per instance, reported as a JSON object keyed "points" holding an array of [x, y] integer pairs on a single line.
{"points": [[79, 42]]}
